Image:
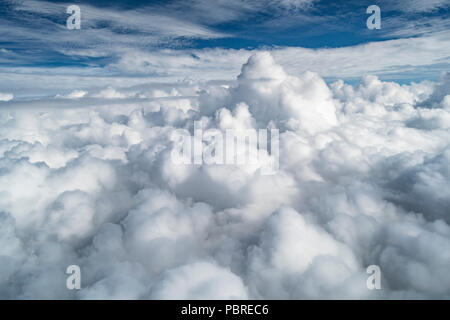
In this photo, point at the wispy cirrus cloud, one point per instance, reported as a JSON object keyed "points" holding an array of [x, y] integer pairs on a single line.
{"points": [[102, 29], [416, 6]]}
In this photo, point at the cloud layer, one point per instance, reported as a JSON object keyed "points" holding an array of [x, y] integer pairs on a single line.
{"points": [[391, 59], [86, 178]]}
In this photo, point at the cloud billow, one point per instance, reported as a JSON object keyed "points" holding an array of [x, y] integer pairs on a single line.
{"points": [[363, 180]]}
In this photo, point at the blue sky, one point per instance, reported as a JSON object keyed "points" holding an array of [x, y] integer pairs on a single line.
{"points": [[155, 39]]}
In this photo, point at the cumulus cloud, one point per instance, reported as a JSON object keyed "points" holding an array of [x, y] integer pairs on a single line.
{"points": [[199, 281], [363, 180], [6, 96]]}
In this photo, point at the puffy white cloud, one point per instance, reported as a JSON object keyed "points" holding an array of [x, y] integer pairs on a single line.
{"points": [[76, 94], [88, 179], [6, 96], [289, 248], [109, 93], [200, 280], [304, 102]]}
